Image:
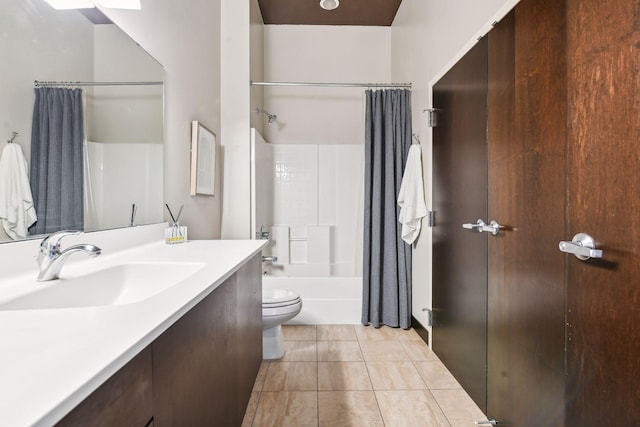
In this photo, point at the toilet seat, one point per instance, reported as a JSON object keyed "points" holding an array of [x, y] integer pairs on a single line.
{"points": [[279, 303], [284, 309], [276, 297]]}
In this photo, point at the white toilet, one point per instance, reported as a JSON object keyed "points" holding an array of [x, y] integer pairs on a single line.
{"points": [[278, 306]]}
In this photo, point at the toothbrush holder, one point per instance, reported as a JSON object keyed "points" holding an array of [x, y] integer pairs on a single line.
{"points": [[175, 234]]}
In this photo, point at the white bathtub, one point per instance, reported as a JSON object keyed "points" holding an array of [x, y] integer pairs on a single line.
{"points": [[325, 300]]}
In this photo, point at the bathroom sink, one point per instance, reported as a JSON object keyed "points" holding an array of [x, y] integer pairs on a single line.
{"points": [[118, 285]]}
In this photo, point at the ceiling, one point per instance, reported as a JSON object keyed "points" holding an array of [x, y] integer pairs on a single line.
{"points": [[309, 12]]}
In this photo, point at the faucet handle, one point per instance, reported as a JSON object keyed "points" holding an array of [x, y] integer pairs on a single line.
{"points": [[51, 243]]}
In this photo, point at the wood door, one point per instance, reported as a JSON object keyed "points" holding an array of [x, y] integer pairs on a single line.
{"points": [[460, 196], [527, 145], [603, 316]]}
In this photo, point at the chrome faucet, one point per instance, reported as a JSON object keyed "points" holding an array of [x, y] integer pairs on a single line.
{"points": [[51, 258], [263, 234]]}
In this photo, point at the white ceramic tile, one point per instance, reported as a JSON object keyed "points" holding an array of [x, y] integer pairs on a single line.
{"points": [[295, 186]]}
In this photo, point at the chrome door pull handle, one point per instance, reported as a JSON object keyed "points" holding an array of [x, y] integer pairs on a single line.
{"points": [[475, 227], [486, 423], [493, 227], [582, 246]]}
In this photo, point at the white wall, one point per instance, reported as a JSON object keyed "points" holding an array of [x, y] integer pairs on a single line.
{"points": [[185, 38], [237, 32], [317, 53], [124, 113], [427, 38]]}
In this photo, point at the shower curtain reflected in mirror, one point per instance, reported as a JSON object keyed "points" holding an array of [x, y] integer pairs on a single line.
{"points": [[56, 172], [386, 296]]}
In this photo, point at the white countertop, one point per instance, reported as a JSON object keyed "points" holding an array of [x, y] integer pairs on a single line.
{"points": [[51, 360]]}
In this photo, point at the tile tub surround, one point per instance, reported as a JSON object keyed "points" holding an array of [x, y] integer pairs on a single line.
{"points": [[354, 375], [50, 360]]}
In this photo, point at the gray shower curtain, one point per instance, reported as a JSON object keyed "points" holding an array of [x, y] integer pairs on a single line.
{"points": [[387, 258], [57, 160]]}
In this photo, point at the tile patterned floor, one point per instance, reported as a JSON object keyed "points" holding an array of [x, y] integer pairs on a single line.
{"points": [[352, 376]]}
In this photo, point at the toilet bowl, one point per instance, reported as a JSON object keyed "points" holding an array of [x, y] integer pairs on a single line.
{"points": [[278, 306]]}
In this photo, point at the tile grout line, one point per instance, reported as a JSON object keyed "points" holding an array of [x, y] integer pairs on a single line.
{"points": [[366, 366], [253, 417], [440, 407], [428, 389]]}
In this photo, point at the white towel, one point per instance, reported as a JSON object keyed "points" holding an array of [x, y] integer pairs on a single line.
{"points": [[16, 202], [411, 196]]}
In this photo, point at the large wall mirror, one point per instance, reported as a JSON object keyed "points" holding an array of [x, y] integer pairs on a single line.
{"points": [[114, 171]]}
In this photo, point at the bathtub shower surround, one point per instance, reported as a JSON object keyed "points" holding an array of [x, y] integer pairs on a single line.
{"points": [[315, 209], [112, 167]]}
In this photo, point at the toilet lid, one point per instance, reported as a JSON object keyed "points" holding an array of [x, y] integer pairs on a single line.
{"points": [[278, 296]]}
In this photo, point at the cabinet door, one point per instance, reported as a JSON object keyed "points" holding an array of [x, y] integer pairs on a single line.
{"points": [[527, 186], [603, 313], [189, 364], [460, 196], [200, 376], [249, 330], [123, 400]]}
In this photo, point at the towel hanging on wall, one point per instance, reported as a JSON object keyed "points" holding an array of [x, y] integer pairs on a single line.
{"points": [[16, 203], [411, 196]]}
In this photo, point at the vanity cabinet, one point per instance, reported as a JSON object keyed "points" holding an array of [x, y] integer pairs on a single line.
{"points": [[125, 399], [204, 366], [199, 372]]}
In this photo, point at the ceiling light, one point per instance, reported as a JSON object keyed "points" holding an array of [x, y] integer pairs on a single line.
{"points": [[329, 4], [70, 4], [120, 4]]}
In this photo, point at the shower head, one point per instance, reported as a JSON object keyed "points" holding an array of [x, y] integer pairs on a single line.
{"points": [[270, 117]]}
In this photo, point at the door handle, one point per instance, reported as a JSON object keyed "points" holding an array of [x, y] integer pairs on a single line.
{"points": [[474, 227], [582, 246], [486, 423], [493, 227]]}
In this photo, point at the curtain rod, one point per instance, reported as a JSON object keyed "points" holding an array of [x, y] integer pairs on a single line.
{"points": [[38, 83], [405, 85]]}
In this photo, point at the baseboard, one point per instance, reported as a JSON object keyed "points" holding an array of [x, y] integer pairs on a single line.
{"points": [[421, 330]]}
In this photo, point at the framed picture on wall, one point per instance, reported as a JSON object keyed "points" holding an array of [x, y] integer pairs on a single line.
{"points": [[203, 160]]}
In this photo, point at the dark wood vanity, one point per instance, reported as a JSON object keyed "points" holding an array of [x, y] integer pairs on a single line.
{"points": [[199, 372]]}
